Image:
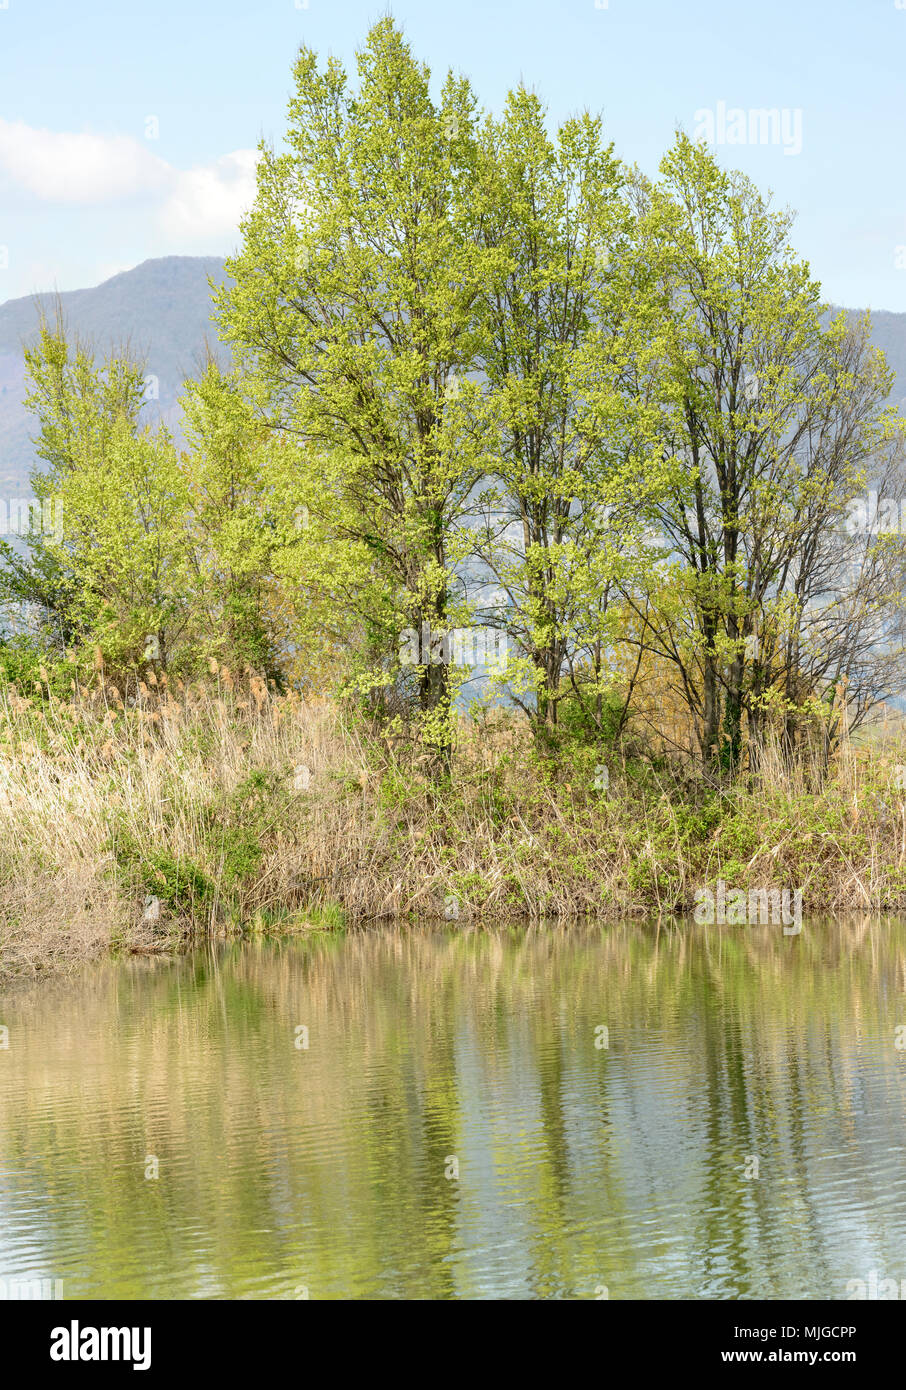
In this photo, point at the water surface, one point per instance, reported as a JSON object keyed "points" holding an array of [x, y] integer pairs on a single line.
{"points": [[455, 1126]]}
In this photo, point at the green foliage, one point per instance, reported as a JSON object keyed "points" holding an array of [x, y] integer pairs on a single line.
{"points": [[484, 374], [185, 889], [572, 462], [581, 722], [771, 419], [238, 521], [34, 672], [241, 824], [326, 917], [238, 828], [352, 311]]}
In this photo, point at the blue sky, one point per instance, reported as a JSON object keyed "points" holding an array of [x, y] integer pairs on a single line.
{"points": [[85, 192]]}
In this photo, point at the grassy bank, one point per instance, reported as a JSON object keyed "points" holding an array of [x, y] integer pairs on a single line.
{"points": [[227, 809]]}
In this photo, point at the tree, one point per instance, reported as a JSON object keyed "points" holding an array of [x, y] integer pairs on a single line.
{"points": [[569, 460], [127, 540], [80, 406], [353, 306], [237, 525], [774, 418], [116, 572]]}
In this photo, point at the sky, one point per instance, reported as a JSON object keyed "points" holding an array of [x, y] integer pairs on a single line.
{"points": [[130, 130]]}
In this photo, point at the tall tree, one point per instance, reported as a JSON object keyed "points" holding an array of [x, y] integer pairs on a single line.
{"points": [[82, 408], [353, 304], [775, 419], [237, 522], [560, 513]]}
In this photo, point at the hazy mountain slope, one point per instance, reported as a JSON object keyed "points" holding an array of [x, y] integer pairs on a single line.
{"points": [[888, 332], [161, 309]]}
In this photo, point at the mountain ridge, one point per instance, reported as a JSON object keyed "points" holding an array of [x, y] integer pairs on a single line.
{"points": [[161, 310]]}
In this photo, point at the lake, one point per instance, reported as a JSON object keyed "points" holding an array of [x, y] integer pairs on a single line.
{"points": [[581, 1112]]}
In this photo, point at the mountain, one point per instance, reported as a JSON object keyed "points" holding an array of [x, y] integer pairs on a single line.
{"points": [[161, 310], [888, 332]]}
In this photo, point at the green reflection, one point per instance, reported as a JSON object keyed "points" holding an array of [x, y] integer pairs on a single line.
{"points": [[332, 1168]]}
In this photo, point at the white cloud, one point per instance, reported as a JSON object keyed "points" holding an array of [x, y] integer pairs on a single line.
{"points": [[201, 204], [67, 167], [206, 203]]}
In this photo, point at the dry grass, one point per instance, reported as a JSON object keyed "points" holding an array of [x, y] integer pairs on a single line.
{"points": [[199, 798], [78, 779]]}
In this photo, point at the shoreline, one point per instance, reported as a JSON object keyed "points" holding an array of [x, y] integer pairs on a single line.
{"points": [[56, 960], [200, 812]]}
